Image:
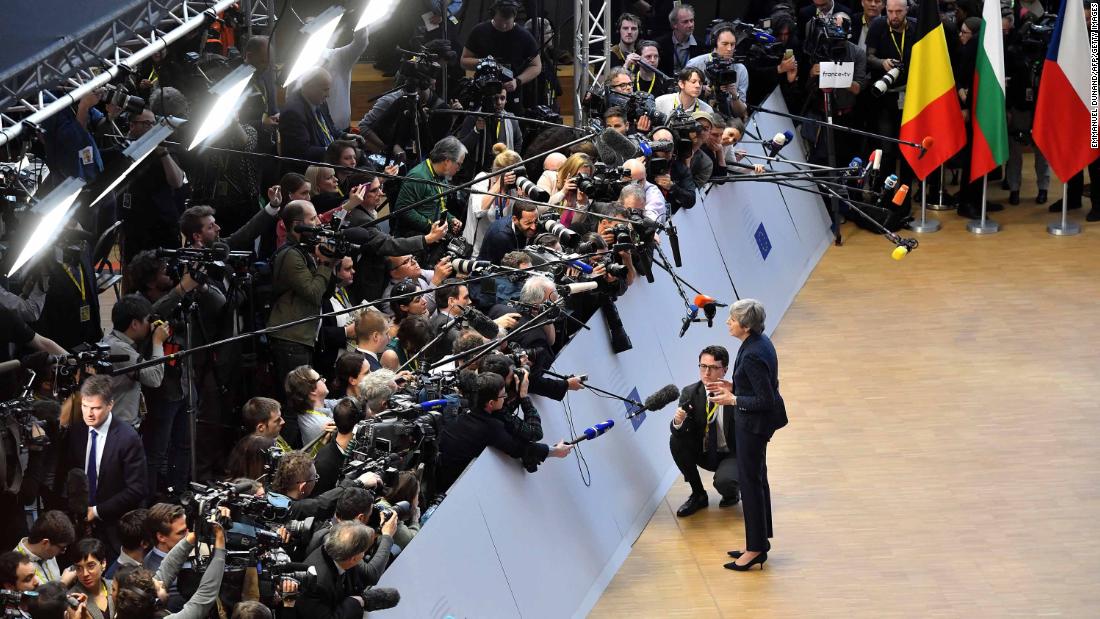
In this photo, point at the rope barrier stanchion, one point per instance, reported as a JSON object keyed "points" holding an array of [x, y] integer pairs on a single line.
{"points": [[983, 225], [925, 224], [1065, 227], [940, 206]]}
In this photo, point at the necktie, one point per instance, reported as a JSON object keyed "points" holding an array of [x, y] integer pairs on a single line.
{"points": [[711, 438], [91, 469]]}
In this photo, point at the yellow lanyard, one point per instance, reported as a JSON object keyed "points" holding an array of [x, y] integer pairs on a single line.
{"points": [[153, 75], [316, 412], [39, 568], [712, 409], [342, 296], [638, 82], [281, 443], [498, 129], [79, 284], [901, 53], [438, 189], [618, 53], [321, 124], [677, 103]]}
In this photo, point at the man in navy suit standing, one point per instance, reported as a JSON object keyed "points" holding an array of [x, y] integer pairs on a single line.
{"points": [[111, 455]]}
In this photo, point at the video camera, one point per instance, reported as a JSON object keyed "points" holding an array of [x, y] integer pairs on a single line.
{"points": [[419, 69], [604, 183], [683, 126], [333, 243], [635, 105], [720, 71], [488, 80], [827, 41]]}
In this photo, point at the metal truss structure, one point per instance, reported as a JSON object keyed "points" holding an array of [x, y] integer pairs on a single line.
{"points": [[591, 50], [101, 52]]}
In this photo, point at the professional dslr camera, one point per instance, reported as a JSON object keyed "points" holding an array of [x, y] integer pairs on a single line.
{"points": [[604, 183]]}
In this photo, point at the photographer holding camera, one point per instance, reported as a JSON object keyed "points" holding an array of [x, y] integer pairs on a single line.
{"points": [[517, 380], [465, 438], [444, 161], [514, 47], [890, 42], [344, 580], [510, 233], [728, 80], [480, 135], [691, 81]]}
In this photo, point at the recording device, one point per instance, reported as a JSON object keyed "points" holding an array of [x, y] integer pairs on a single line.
{"points": [[660, 399], [466, 266], [701, 302], [592, 432], [614, 148], [532, 190], [604, 183], [488, 80], [331, 242], [720, 71], [826, 40], [904, 246], [635, 105], [216, 254], [119, 96], [418, 69], [776, 144], [882, 84], [549, 222], [683, 128]]}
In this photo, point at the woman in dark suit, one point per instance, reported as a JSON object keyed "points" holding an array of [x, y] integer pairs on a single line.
{"points": [[758, 413]]}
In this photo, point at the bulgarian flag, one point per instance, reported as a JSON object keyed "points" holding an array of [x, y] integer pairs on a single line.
{"points": [[1064, 110], [931, 115], [990, 146]]}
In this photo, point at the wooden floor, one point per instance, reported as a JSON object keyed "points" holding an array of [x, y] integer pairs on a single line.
{"points": [[942, 454]]}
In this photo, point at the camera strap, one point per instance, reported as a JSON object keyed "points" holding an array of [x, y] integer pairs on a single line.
{"points": [[901, 49]]}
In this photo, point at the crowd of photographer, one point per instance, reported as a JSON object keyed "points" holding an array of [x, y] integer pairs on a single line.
{"points": [[403, 324]]}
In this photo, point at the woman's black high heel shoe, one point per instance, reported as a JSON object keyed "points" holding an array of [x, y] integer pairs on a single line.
{"points": [[757, 560], [736, 554]]}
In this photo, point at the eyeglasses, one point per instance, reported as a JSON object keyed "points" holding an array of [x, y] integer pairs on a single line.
{"points": [[313, 479], [319, 379], [622, 85], [142, 123], [406, 261], [377, 189], [709, 368]]}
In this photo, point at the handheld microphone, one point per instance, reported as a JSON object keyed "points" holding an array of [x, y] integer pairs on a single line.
{"points": [[876, 158], [776, 144], [661, 398], [581, 266], [855, 167], [873, 167], [709, 305], [899, 195], [577, 288], [904, 246], [693, 311], [593, 431]]}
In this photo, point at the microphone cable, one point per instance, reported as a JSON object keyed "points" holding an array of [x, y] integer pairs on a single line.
{"points": [[582, 463]]}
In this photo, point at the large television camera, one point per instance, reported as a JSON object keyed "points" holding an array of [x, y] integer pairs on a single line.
{"points": [[488, 80], [827, 40], [600, 98], [257, 532]]}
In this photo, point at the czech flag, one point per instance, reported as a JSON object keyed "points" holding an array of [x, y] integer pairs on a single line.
{"points": [[1066, 107], [931, 103]]}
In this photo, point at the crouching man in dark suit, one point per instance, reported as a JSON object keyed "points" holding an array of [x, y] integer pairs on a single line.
{"points": [[344, 582], [109, 451], [703, 436]]}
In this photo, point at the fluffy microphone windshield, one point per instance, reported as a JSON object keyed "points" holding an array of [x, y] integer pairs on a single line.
{"points": [[663, 397]]}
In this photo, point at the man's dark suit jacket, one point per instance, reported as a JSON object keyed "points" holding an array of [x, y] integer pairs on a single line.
{"points": [[693, 399], [668, 53], [501, 239], [329, 597], [760, 408], [120, 478], [329, 462], [299, 131]]}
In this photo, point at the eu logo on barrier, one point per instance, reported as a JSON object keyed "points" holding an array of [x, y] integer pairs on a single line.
{"points": [[763, 242], [637, 420]]}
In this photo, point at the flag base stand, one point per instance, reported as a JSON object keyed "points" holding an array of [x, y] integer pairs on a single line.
{"points": [[983, 225], [925, 224], [1064, 227], [940, 206]]}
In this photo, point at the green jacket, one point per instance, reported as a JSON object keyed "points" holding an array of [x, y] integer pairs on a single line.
{"points": [[419, 220], [299, 286]]}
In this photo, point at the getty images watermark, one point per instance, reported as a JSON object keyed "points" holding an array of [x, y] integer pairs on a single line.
{"points": [[1094, 94]]}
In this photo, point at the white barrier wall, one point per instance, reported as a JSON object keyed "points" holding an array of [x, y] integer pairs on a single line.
{"points": [[506, 543]]}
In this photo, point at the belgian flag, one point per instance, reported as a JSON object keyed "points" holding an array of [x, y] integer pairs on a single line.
{"points": [[931, 104]]}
